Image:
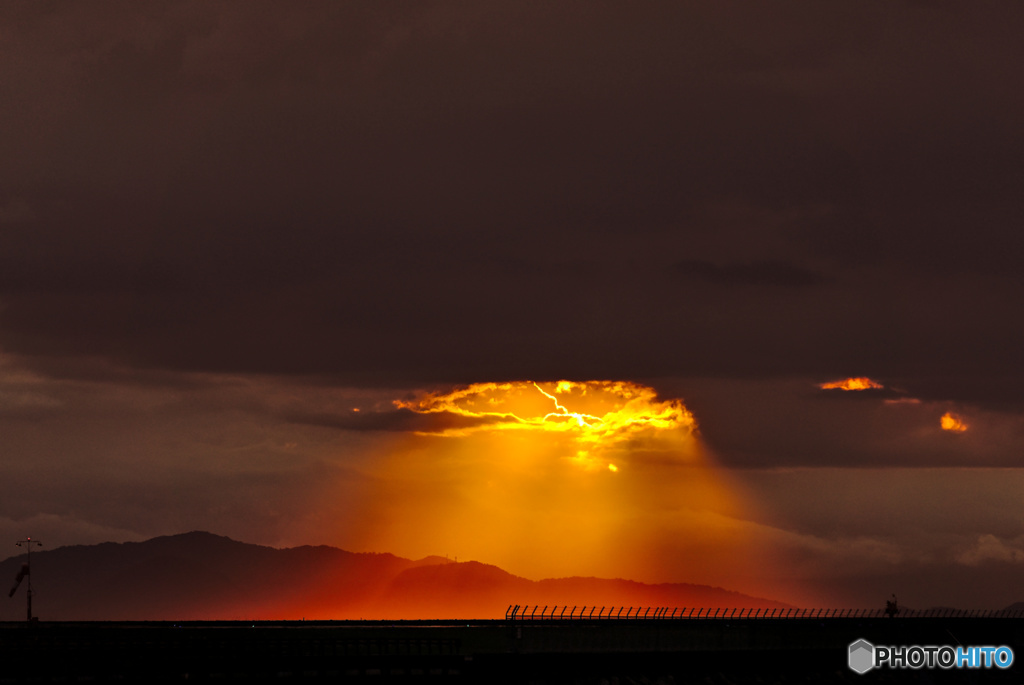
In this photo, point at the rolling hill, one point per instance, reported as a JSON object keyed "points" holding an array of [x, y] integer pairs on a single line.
{"points": [[201, 576]]}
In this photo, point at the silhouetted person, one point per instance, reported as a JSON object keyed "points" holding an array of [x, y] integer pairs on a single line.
{"points": [[892, 607]]}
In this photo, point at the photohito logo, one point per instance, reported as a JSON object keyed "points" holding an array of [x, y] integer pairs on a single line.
{"points": [[863, 656]]}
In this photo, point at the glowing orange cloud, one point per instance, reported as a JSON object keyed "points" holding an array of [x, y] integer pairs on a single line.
{"points": [[953, 423], [860, 383], [554, 479], [608, 412]]}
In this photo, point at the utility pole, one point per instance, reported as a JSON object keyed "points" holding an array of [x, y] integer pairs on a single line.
{"points": [[27, 544]]}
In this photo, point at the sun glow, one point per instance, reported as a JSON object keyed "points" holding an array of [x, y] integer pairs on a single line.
{"points": [[608, 411], [557, 478]]}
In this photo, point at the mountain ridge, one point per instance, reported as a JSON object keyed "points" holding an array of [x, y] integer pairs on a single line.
{"points": [[203, 576]]}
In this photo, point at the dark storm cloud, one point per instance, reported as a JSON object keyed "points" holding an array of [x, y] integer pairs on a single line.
{"points": [[226, 226], [866, 395], [754, 273], [999, 393], [792, 423], [399, 420], [400, 193]]}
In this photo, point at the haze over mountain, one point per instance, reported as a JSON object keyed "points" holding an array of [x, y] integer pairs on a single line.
{"points": [[201, 576]]}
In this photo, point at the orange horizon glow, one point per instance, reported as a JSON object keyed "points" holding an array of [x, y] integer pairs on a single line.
{"points": [[858, 383]]}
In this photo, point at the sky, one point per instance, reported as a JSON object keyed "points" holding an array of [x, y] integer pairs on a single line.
{"points": [[249, 251]]}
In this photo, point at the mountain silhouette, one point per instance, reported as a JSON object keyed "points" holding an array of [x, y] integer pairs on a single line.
{"points": [[201, 576]]}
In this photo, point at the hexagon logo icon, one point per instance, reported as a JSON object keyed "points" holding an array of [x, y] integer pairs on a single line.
{"points": [[862, 656]]}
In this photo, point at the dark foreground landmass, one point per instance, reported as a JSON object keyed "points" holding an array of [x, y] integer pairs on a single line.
{"points": [[715, 651]]}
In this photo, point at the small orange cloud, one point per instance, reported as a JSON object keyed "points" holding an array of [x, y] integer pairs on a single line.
{"points": [[861, 383], [953, 423]]}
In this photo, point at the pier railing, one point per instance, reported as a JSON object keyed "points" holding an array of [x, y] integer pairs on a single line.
{"points": [[594, 613]]}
